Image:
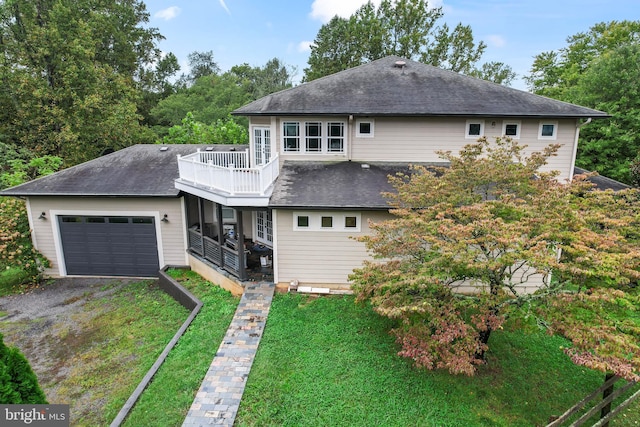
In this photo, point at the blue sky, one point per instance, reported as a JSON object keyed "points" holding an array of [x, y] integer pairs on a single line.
{"points": [[254, 31]]}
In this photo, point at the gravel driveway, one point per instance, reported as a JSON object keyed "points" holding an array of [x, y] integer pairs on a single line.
{"points": [[34, 322]]}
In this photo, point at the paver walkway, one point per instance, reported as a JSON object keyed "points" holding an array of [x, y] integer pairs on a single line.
{"points": [[218, 399]]}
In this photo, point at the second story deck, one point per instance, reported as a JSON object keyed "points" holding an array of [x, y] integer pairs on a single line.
{"points": [[227, 177]]}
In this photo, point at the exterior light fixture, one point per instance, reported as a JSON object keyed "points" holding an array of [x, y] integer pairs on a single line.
{"points": [[165, 218], [43, 215]]}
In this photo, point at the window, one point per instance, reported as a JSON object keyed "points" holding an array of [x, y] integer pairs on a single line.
{"points": [[313, 136], [95, 220], [142, 220], [327, 221], [511, 129], [228, 213], [547, 130], [350, 222], [303, 221], [475, 129], [118, 220], [336, 137], [364, 128], [291, 134]]}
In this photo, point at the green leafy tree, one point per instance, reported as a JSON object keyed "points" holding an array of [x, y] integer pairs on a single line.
{"points": [[598, 69], [274, 76], [209, 99], [496, 72], [18, 383], [201, 64], [406, 28], [225, 131], [466, 241], [70, 72], [156, 84]]}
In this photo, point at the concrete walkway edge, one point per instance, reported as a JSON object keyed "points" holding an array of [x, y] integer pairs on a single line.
{"points": [[218, 399]]}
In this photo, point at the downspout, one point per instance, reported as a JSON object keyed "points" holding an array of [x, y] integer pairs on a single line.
{"points": [[575, 147], [351, 137]]}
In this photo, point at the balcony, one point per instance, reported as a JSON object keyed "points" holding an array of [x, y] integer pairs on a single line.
{"points": [[225, 177]]}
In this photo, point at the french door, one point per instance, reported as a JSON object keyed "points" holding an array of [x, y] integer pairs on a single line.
{"points": [[262, 145], [264, 228]]}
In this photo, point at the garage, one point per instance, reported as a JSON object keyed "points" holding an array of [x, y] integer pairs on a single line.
{"points": [[109, 245]]}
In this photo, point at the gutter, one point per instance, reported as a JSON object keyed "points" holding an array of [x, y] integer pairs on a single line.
{"points": [[575, 147]]}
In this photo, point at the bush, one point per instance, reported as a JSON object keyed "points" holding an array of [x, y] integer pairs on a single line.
{"points": [[11, 278], [18, 383], [16, 248]]}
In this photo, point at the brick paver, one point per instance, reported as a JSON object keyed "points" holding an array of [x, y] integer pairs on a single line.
{"points": [[218, 399]]}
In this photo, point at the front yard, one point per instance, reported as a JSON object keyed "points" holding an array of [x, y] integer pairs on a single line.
{"points": [[328, 361], [322, 361]]}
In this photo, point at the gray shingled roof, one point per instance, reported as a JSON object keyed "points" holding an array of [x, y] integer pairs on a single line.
{"points": [[602, 182], [138, 171], [380, 88], [347, 185], [337, 185]]}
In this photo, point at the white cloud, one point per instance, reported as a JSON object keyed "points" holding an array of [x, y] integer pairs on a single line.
{"points": [[304, 46], [324, 10], [224, 6], [168, 13], [496, 40]]}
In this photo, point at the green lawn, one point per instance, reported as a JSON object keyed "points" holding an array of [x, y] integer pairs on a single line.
{"points": [[167, 399], [328, 361]]}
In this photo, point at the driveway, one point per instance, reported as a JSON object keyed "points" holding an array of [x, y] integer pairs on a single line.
{"points": [[37, 321]]}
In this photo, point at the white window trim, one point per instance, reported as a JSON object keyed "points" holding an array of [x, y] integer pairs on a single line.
{"points": [[365, 135], [555, 130], [518, 123], [339, 218], [474, 121], [302, 137]]}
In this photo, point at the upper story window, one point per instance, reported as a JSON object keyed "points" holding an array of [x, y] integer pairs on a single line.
{"points": [[364, 128], [291, 136], [511, 129], [475, 129], [548, 130], [336, 137], [313, 137]]}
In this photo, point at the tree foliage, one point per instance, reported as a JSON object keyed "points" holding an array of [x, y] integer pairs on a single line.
{"points": [[406, 28], [599, 69], [225, 131], [18, 383], [69, 72], [469, 244], [209, 99]]}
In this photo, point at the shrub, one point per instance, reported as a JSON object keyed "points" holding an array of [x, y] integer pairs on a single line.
{"points": [[16, 248], [18, 383]]}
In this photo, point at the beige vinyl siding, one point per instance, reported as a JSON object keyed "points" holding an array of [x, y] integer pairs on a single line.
{"points": [[325, 259], [319, 258], [418, 139], [171, 235]]}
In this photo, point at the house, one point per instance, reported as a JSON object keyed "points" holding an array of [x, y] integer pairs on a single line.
{"points": [[307, 184]]}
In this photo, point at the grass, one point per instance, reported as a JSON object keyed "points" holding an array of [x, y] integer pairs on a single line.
{"points": [[167, 399], [328, 361], [97, 357], [11, 281]]}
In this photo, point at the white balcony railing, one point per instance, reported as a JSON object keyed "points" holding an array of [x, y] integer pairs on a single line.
{"points": [[227, 171]]}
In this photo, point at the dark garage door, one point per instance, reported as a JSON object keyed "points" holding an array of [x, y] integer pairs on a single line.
{"points": [[109, 245]]}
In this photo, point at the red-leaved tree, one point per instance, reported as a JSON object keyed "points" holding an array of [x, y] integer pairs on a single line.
{"points": [[472, 243]]}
